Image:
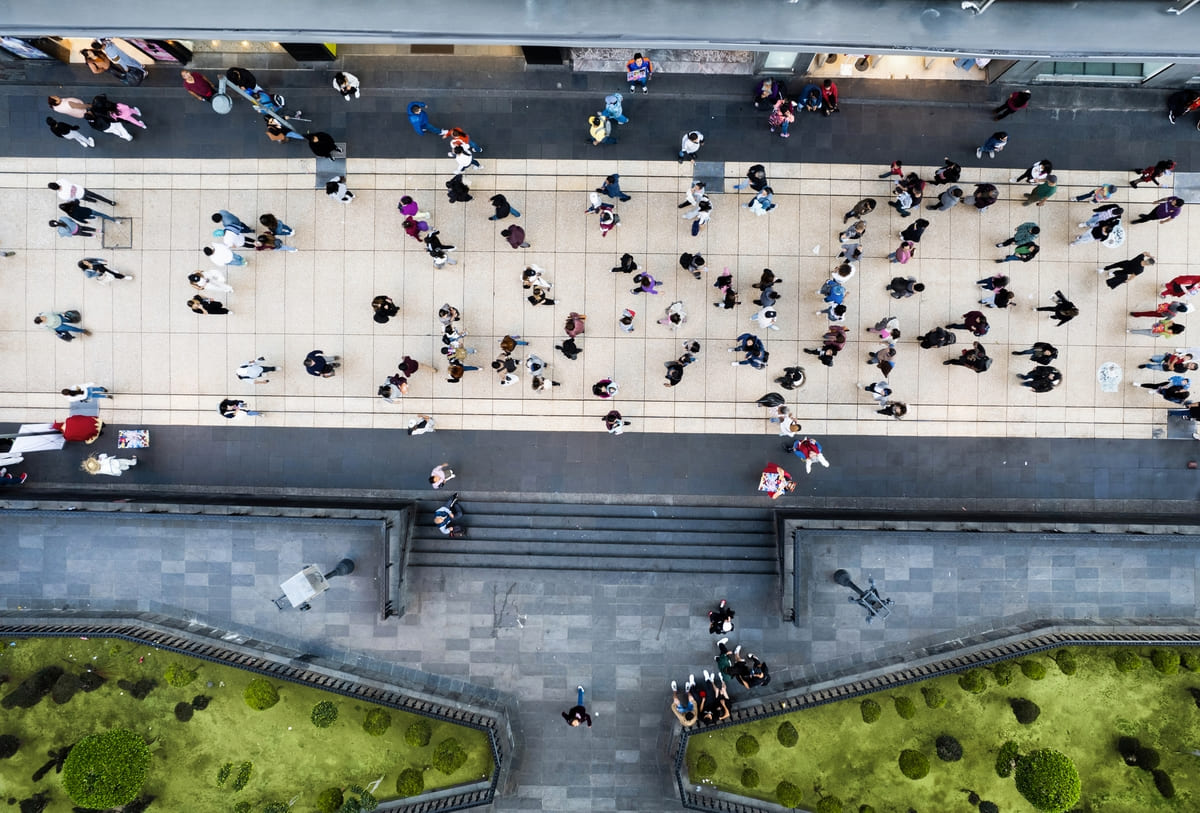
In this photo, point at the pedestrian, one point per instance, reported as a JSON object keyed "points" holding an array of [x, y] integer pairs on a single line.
{"points": [[67, 191], [210, 280], [1035, 174], [793, 378], [600, 130], [68, 106], [1181, 286], [609, 219], [1040, 353], [894, 409], [577, 714], [202, 304], [88, 391], [116, 110], [1153, 174], [1042, 192], [1017, 100], [781, 117], [612, 188], [67, 227], [456, 370], [532, 275], [274, 225], [415, 229], [230, 407], [690, 145], [457, 190], [421, 425], [322, 144], [612, 109], [997, 298], [766, 279], [625, 320], [538, 296], [1023, 252], [974, 321], [69, 131], [448, 314], [884, 358], [446, 517], [1110, 232], [829, 98], [904, 252], [1169, 309], [810, 451], [810, 98], [879, 390], [346, 84], [994, 144], [1169, 362], [938, 337], [317, 364], [1098, 195], [95, 268], [604, 388], [761, 203], [675, 315], [755, 351], [1165, 210], [904, 287], [230, 222], [7, 479], [699, 216], [832, 291], [458, 136], [1041, 379], [104, 464], [234, 239], [1063, 310], [64, 325], [221, 255], [852, 233], [768, 91], [832, 343], [337, 189], [575, 324], [254, 370], [985, 195], [862, 208], [915, 230], [409, 208], [1181, 103], [904, 200], [766, 318], [198, 85], [973, 358], [995, 283], [638, 72], [269, 242], [569, 349], [441, 474], [675, 369], [948, 199], [694, 264], [1175, 389], [1162, 327], [515, 235], [949, 172], [646, 284], [756, 178], [384, 308], [418, 117]]}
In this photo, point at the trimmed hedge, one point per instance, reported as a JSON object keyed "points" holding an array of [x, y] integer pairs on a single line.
{"points": [[418, 734], [1164, 784], [829, 804], [706, 766], [788, 794], [1048, 780], [324, 714], [747, 745], [1165, 661], [914, 764], [329, 800], [106, 770], [411, 782], [905, 707], [870, 711], [973, 681], [377, 722], [750, 778], [787, 735], [260, 695], [1034, 670], [1026, 711], [1004, 672], [178, 675], [935, 698], [449, 756], [1065, 658], [1127, 661], [1191, 660]]}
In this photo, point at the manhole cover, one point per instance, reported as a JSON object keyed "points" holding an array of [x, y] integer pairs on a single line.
{"points": [[117, 234]]}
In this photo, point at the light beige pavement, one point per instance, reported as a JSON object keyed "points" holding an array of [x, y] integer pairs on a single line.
{"points": [[170, 366]]}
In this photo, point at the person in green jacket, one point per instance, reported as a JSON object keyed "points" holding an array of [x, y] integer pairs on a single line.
{"points": [[1042, 192]]}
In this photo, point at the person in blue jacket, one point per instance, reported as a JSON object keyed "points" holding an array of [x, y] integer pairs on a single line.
{"points": [[810, 98], [419, 119]]}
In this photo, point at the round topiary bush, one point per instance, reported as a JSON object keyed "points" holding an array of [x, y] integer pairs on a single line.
{"points": [[330, 800], [747, 745], [914, 764], [870, 711], [1026, 711], [377, 722], [788, 795], [1065, 658], [449, 756], [973, 681], [1190, 660], [1048, 780], [418, 734], [787, 735], [1165, 661], [1147, 758], [905, 707], [1127, 661], [948, 748], [829, 804], [1034, 670], [749, 778], [1006, 760], [260, 695], [1004, 673], [324, 714], [935, 698], [989, 807], [178, 675], [705, 767], [1164, 784], [106, 770], [410, 782]]}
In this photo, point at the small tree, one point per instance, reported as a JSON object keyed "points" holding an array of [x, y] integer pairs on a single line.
{"points": [[870, 711], [788, 795], [1165, 661], [106, 770], [749, 778], [1065, 658], [747, 745], [1127, 660], [1034, 670], [1004, 672], [787, 735], [324, 714], [830, 804], [705, 767], [1006, 760], [418, 733], [1048, 780], [949, 749], [377, 722], [329, 800], [934, 697], [1026, 711], [449, 756], [178, 675], [411, 782], [260, 695], [973, 681], [905, 707], [914, 764]]}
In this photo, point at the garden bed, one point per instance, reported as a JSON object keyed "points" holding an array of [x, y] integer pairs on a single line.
{"points": [[838, 762], [202, 728]]}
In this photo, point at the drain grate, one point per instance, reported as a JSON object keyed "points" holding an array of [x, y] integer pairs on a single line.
{"points": [[117, 233]]}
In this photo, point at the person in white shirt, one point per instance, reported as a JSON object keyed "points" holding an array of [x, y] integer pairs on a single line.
{"points": [[68, 191], [346, 84], [221, 255], [690, 145], [254, 371], [85, 392], [212, 280]]}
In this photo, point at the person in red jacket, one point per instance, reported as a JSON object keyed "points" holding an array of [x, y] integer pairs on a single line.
{"points": [[829, 98]]}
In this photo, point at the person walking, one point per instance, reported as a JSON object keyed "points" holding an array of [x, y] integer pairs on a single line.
{"points": [[515, 235], [1175, 389], [861, 209], [67, 191], [577, 714], [1017, 101], [613, 109], [69, 132], [446, 517], [995, 143], [210, 280], [202, 304], [675, 315], [64, 325], [638, 72], [948, 199], [1165, 210], [949, 172], [1035, 174], [1153, 174], [646, 284], [904, 287], [322, 144], [1163, 327], [85, 392], [231, 407], [230, 222], [973, 358], [1167, 362], [346, 84], [457, 190], [690, 145], [418, 117], [810, 451], [694, 264], [254, 370], [67, 227], [782, 115], [973, 321], [1023, 252], [612, 188], [1063, 310], [441, 474], [600, 130], [1168, 309], [1042, 192], [68, 106], [316, 364], [464, 157], [1039, 353], [95, 268], [274, 225], [1100, 194], [1041, 379], [222, 255]]}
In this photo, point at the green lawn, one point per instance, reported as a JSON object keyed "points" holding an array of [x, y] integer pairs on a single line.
{"points": [[1082, 715], [291, 757]]}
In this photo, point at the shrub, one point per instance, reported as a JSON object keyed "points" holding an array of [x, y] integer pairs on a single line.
{"points": [[1004, 672], [241, 807], [9, 745], [1065, 658], [243, 775], [1164, 785], [747, 746], [260, 695], [1048, 780], [1190, 660], [106, 770], [870, 710], [178, 675], [276, 807], [1026, 711], [1127, 661], [787, 794], [1128, 747], [829, 804], [865, 809], [989, 807], [1006, 759], [706, 766], [1165, 661], [1195, 693], [329, 800], [787, 735], [324, 714], [1034, 670], [358, 800], [377, 722], [449, 756], [935, 698], [948, 748], [1147, 758], [750, 778], [410, 782], [972, 681], [223, 773], [418, 733], [184, 712], [905, 707], [914, 764]]}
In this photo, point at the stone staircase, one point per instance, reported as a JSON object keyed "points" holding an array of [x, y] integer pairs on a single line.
{"points": [[611, 537]]}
